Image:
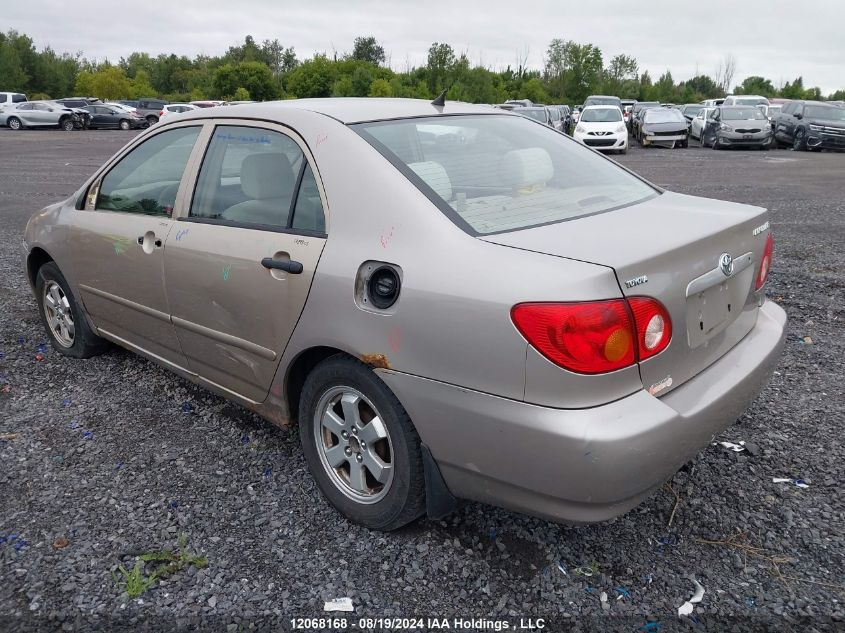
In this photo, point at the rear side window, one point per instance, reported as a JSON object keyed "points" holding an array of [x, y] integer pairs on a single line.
{"points": [[3, 98], [147, 179], [497, 173], [18, 98], [251, 176]]}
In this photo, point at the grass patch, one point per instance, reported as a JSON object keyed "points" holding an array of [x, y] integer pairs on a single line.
{"points": [[153, 566]]}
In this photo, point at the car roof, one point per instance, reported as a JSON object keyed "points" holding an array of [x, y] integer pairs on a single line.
{"points": [[602, 106], [350, 109]]}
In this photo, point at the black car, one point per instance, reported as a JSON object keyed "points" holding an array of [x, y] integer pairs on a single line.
{"points": [[103, 116], [79, 105], [810, 125]]}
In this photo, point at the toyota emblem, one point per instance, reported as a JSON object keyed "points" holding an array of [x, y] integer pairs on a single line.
{"points": [[726, 264]]}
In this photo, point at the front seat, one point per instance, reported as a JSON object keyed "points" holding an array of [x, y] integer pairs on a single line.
{"points": [[267, 180]]}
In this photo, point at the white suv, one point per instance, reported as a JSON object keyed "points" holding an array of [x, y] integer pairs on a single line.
{"points": [[10, 99]]}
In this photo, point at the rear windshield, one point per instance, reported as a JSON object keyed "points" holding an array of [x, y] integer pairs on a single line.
{"points": [[663, 115], [751, 101], [742, 114], [693, 110], [602, 101], [492, 174], [537, 115], [604, 115]]}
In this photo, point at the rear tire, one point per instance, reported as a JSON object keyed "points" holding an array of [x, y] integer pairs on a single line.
{"points": [[347, 394], [152, 120], [62, 317], [14, 123]]}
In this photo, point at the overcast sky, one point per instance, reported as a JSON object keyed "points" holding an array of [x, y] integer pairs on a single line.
{"points": [[778, 39]]}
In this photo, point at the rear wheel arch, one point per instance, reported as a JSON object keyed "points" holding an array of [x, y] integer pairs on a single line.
{"points": [[298, 372]]}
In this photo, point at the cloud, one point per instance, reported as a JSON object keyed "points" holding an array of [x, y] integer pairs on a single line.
{"points": [[683, 38]]}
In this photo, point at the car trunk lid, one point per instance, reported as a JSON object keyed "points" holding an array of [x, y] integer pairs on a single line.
{"points": [[671, 248]]}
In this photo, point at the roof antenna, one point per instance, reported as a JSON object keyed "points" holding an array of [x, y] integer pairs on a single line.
{"points": [[440, 100]]}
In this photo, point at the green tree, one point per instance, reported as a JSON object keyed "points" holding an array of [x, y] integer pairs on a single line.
{"points": [[141, 86], [794, 90], [620, 76], [380, 88], [440, 64], [11, 69], [343, 87], [241, 94], [255, 77], [755, 85], [312, 78], [110, 83], [361, 80], [839, 95], [367, 49]]}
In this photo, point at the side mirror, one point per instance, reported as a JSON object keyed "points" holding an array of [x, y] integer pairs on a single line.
{"points": [[798, 115]]}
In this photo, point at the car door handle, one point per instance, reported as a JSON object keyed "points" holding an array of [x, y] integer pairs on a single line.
{"points": [[294, 268]]}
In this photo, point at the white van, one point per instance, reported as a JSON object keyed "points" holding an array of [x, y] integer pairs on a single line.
{"points": [[9, 99]]}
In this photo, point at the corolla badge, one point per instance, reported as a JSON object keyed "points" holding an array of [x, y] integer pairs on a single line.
{"points": [[726, 264]]}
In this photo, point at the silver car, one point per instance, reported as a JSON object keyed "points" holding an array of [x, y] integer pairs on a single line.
{"points": [[737, 126], [450, 301], [38, 114]]}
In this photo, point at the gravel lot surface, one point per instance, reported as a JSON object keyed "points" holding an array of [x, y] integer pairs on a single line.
{"points": [[104, 459]]}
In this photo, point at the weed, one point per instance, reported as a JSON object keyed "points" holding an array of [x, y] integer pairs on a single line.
{"points": [[162, 563]]}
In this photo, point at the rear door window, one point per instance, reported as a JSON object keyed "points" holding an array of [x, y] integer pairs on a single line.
{"points": [[258, 178]]}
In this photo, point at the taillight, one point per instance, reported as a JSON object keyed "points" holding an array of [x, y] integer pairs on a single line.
{"points": [[588, 338], [161, 114], [654, 327], [766, 262], [595, 337]]}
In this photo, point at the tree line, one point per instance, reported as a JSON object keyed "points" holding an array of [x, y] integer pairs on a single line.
{"points": [[269, 70]]}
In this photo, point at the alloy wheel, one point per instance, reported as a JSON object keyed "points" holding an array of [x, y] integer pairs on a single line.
{"points": [[58, 314], [354, 445]]}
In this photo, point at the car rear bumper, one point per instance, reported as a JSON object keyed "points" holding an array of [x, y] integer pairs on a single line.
{"points": [[584, 465]]}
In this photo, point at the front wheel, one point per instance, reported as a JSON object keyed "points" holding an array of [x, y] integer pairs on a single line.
{"points": [[716, 143], [799, 143], [61, 316], [14, 123], [361, 446], [152, 120], [124, 124], [66, 124]]}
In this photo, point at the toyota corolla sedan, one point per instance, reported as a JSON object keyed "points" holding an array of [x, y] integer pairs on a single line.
{"points": [[451, 301]]}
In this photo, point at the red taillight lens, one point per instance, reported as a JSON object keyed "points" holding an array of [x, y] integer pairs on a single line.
{"points": [[766, 262], [588, 338], [598, 336], [161, 114], [654, 327]]}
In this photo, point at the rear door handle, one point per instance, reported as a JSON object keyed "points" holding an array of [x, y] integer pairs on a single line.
{"points": [[294, 268]]}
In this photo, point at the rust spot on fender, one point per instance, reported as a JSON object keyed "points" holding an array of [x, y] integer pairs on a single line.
{"points": [[376, 361]]}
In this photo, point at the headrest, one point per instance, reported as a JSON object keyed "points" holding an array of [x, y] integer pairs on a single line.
{"points": [[526, 167], [267, 175], [435, 177]]}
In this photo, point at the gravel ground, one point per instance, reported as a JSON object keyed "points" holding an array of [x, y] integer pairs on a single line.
{"points": [[111, 457]]}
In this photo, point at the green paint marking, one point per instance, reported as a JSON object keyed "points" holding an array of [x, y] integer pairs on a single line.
{"points": [[226, 270]]}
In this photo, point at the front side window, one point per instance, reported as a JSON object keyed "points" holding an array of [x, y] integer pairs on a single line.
{"points": [[147, 179], [496, 173], [830, 113], [250, 175], [25, 106]]}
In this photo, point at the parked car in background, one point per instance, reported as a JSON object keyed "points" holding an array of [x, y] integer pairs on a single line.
{"points": [[148, 108], [603, 100], [524, 103], [538, 113], [576, 114], [812, 125], [772, 111], [663, 126], [697, 123], [566, 117], [557, 120], [121, 106], [736, 126], [636, 113], [39, 114], [602, 127], [104, 117], [712, 103], [175, 108], [77, 102], [752, 100], [622, 321], [689, 110], [207, 104], [10, 99]]}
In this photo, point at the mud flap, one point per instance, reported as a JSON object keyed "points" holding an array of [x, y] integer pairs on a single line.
{"points": [[439, 502]]}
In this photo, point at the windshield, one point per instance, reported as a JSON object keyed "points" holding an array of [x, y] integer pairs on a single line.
{"points": [[663, 115], [830, 113], [742, 114], [692, 110], [492, 173], [603, 115], [642, 105], [537, 115]]}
